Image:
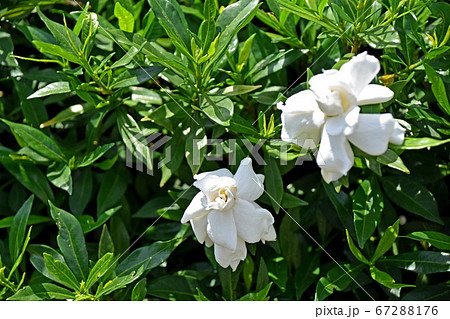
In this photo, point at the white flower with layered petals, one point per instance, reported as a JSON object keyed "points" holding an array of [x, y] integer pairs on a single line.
{"points": [[328, 114], [224, 214]]}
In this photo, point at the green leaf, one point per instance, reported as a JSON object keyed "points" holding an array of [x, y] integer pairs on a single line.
{"points": [[153, 50], [32, 220], [262, 280], [171, 16], [59, 174], [355, 251], [278, 272], [61, 271], [177, 153], [37, 259], [380, 37], [273, 63], [91, 157], [147, 257], [89, 28], [136, 76], [367, 208], [56, 50], [134, 138], [438, 240], [438, 88], [385, 279], [6, 49], [412, 196], [386, 242], [245, 51], [173, 287], [51, 89], [391, 159], [63, 36], [240, 125], [71, 242], [18, 228], [427, 293], [195, 147], [146, 96], [218, 108], [161, 115], [419, 143], [43, 291], [105, 244], [291, 201], [88, 224], [308, 14], [274, 182], [343, 205], [112, 189], [237, 90], [99, 269], [30, 177], [119, 282], [337, 279], [139, 290], [126, 20], [34, 111], [306, 274], [155, 207], [201, 296], [67, 114], [247, 271], [226, 281], [22, 253], [82, 191], [209, 9], [257, 296], [230, 21], [36, 140], [422, 262]]}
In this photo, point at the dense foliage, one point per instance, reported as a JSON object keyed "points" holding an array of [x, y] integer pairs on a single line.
{"points": [[109, 108]]}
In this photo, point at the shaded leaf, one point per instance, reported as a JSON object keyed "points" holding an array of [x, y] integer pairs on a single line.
{"points": [[18, 228], [71, 242], [438, 240]]}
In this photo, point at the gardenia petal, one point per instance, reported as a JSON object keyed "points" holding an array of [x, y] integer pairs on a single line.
{"points": [[331, 105], [360, 71], [398, 134], [248, 185], [374, 93], [219, 172], [195, 209], [221, 228], [270, 235], [210, 184], [208, 242], [335, 156], [252, 221], [373, 132], [301, 102], [301, 119], [199, 227], [344, 124], [261, 178], [226, 257], [320, 83]]}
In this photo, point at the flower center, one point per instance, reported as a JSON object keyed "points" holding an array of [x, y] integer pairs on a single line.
{"points": [[336, 98], [222, 198]]}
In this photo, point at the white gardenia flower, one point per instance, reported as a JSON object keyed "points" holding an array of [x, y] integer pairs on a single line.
{"points": [[328, 114], [225, 215]]}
